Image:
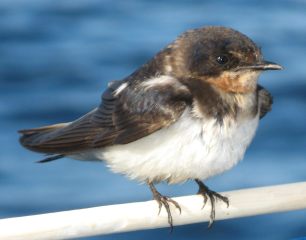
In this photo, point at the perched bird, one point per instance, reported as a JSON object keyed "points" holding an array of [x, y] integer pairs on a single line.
{"points": [[187, 114]]}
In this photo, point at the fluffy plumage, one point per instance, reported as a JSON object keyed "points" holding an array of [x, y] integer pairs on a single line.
{"points": [[179, 98], [188, 149], [189, 113]]}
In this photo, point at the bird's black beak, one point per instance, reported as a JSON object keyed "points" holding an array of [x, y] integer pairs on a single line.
{"points": [[262, 66]]}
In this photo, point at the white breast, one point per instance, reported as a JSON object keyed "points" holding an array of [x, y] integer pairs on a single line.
{"points": [[190, 148]]}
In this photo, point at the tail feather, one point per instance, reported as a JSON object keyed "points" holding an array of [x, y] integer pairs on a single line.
{"points": [[51, 158], [61, 139], [42, 129], [33, 138]]}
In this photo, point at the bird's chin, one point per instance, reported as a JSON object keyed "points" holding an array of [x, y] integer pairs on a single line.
{"points": [[248, 76], [243, 81]]}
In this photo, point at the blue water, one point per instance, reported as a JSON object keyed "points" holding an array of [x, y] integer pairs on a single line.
{"points": [[56, 58]]}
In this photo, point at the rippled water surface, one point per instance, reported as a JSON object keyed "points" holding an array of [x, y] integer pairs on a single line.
{"points": [[56, 58]]}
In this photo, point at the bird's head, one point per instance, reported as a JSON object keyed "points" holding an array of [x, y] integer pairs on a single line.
{"points": [[223, 57]]}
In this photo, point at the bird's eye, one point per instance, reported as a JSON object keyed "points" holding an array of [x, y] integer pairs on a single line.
{"points": [[222, 59]]}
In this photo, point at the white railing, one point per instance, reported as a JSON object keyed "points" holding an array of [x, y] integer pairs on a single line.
{"points": [[143, 215]]}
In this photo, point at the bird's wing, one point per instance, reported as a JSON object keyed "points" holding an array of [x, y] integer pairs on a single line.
{"points": [[265, 100], [127, 113]]}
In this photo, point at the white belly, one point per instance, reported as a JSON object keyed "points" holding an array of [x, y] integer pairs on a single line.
{"points": [[190, 148]]}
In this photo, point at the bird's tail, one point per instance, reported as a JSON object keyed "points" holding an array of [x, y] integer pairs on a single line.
{"points": [[33, 140], [51, 158]]}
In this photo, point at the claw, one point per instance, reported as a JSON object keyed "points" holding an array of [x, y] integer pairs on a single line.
{"points": [[164, 201], [213, 198]]}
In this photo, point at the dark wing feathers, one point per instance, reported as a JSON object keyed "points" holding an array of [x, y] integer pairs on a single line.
{"points": [[138, 112], [265, 101], [61, 140], [131, 115], [120, 119]]}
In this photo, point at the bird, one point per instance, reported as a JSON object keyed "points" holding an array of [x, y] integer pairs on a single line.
{"points": [[189, 113]]}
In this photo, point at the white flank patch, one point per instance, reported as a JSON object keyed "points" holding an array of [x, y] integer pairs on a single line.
{"points": [[167, 65], [190, 148], [158, 81], [163, 80], [168, 68], [120, 89]]}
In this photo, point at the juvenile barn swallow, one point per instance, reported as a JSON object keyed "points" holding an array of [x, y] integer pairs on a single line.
{"points": [[188, 114]]}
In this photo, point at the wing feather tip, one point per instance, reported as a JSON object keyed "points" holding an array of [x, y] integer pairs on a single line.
{"points": [[51, 158]]}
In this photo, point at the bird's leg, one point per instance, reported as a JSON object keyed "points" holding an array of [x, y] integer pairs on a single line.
{"points": [[213, 197], [164, 201]]}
